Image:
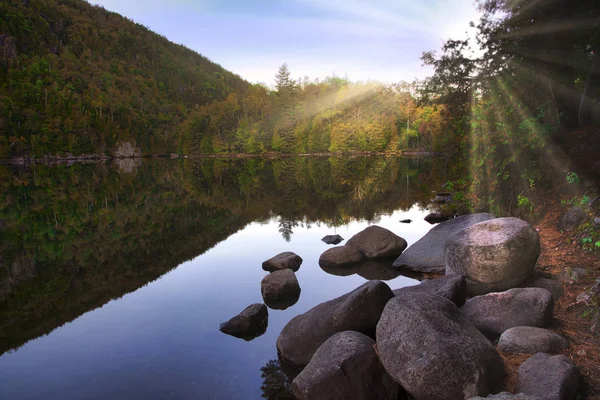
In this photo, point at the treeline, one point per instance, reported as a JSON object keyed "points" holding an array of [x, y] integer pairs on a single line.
{"points": [[75, 78]]}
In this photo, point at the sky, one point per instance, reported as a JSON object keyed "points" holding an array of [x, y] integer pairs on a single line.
{"points": [[363, 40]]}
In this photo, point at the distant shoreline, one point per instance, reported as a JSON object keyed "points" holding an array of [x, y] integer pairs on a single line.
{"points": [[97, 158]]}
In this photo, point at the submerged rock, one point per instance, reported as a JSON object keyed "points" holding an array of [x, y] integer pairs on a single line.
{"points": [[280, 289], [530, 340], [358, 311], [377, 242], [345, 367], [341, 256], [493, 255], [494, 313], [333, 239], [249, 324], [428, 346], [452, 287], [286, 260], [548, 377], [427, 254]]}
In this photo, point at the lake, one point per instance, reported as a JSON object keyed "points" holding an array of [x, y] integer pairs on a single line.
{"points": [[114, 278]]}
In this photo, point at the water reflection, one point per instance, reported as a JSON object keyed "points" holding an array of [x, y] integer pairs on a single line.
{"points": [[276, 385], [73, 238]]}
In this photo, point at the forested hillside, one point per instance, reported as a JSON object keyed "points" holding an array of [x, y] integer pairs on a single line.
{"points": [[77, 79]]}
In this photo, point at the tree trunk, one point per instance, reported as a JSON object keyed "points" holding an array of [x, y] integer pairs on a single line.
{"points": [[584, 115]]}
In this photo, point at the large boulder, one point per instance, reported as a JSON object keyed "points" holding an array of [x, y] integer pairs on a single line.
{"points": [[548, 377], [249, 324], [452, 287], [341, 256], [530, 340], [345, 367], [574, 217], [494, 313], [427, 345], [285, 260], [358, 311], [332, 239], [427, 254], [493, 255], [377, 242], [280, 289]]}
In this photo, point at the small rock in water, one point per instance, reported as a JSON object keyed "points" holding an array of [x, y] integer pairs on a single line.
{"points": [[436, 218], [341, 256], [333, 239], [286, 260], [494, 313], [377, 242], [531, 340], [548, 377], [345, 367], [406, 221], [280, 289], [249, 324]]}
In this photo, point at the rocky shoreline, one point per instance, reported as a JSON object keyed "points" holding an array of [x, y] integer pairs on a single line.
{"points": [[445, 338]]}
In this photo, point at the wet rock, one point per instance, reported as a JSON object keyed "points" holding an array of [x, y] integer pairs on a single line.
{"points": [[340, 257], [493, 255], [406, 221], [427, 254], [280, 289], [574, 217], [494, 313], [377, 242], [286, 260], [427, 345], [436, 218], [451, 287], [358, 311], [249, 324], [506, 396], [345, 367], [333, 239], [530, 340], [548, 377]]}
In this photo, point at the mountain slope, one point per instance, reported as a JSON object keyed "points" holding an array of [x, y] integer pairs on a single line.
{"points": [[75, 78]]}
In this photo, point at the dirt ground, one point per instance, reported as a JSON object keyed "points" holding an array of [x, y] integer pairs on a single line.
{"points": [[560, 251]]}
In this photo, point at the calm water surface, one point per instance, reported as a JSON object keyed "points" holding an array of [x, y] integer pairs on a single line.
{"points": [[115, 278]]}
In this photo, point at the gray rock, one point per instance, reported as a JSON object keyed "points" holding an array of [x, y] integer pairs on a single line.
{"points": [[286, 260], [341, 256], [574, 217], [506, 396], [427, 345], [451, 287], [531, 340], [597, 219], [494, 313], [377, 242], [442, 198], [280, 289], [427, 254], [554, 286], [249, 324], [345, 367], [436, 218], [493, 255], [332, 239], [358, 311], [368, 269], [548, 377]]}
